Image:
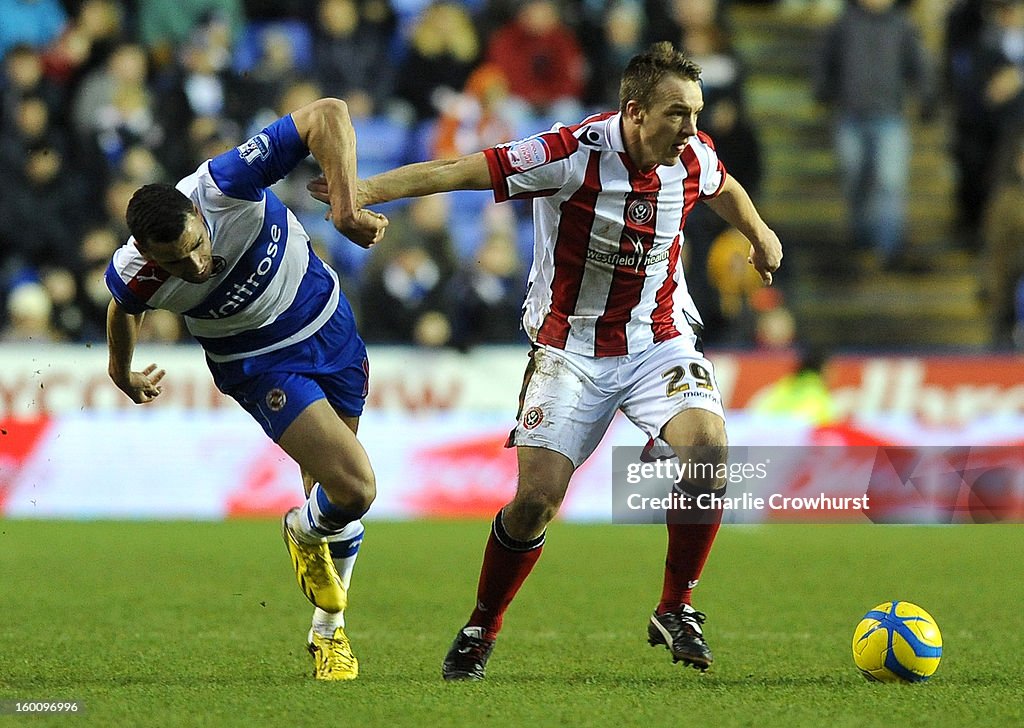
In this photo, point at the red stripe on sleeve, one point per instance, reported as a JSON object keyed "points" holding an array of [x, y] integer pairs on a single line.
{"points": [[498, 175]]}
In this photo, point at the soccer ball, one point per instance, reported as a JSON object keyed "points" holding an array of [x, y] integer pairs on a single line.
{"points": [[897, 642]]}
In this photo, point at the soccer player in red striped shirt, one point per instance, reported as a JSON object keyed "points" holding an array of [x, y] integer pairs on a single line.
{"points": [[612, 324]]}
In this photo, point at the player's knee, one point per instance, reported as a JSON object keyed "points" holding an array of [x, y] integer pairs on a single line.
{"points": [[353, 490], [699, 440], [706, 455], [541, 513], [535, 508]]}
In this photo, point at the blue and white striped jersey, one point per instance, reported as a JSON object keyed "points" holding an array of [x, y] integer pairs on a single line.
{"points": [[270, 290]]}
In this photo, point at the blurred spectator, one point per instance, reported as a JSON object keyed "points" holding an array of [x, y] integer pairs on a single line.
{"points": [[115, 108], [208, 136], [1003, 235], [28, 315], [443, 49], [140, 166], [115, 202], [802, 395], [205, 64], [278, 55], [872, 136], [352, 43], [164, 25], [974, 128], [542, 60], [729, 309], [424, 222], [382, 134], [477, 118], [666, 18], [36, 23], [46, 204], [403, 300], [706, 40], [739, 149], [86, 41], [380, 143], [996, 87], [485, 297], [736, 141], [29, 125], [23, 76], [619, 36], [66, 316], [292, 189], [95, 248], [407, 274]]}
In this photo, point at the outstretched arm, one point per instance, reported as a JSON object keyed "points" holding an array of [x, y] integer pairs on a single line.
{"points": [[326, 129], [122, 334], [734, 205], [415, 180]]}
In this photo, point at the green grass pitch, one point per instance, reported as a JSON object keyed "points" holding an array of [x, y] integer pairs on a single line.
{"points": [[181, 624]]}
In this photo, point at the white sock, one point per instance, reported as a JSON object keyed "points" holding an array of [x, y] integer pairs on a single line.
{"points": [[344, 547], [346, 544], [326, 623], [299, 525]]}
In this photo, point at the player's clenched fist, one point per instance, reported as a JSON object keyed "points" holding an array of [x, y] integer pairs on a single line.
{"points": [[364, 228], [766, 256]]}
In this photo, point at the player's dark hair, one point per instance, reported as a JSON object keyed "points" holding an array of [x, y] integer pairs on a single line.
{"points": [[157, 213], [645, 70]]}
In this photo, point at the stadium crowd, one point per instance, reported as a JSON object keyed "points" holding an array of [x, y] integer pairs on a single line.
{"points": [[98, 97]]}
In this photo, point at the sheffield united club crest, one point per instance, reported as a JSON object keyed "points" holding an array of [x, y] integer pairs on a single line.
{"points": [[640, 212]]}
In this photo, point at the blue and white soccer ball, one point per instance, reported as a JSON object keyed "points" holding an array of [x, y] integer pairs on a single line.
{"points": [[897, 642]]}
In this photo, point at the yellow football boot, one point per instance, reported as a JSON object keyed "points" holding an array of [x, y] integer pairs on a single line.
{"points": [[333, 655], [315, 571]]}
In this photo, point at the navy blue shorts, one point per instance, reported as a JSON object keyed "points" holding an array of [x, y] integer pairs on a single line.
{"points": [[276, 387]]}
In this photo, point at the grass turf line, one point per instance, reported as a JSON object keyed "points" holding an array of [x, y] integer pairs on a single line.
{"points": [[202, 624]]}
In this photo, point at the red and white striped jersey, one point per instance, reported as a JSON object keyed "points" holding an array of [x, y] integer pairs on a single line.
{"points": [[606, 278]]}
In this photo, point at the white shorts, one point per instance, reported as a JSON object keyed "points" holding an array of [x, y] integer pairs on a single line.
{"points": [[568, 400]]}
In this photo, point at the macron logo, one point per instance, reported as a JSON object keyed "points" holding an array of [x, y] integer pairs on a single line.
{"points": [[256, 148]]}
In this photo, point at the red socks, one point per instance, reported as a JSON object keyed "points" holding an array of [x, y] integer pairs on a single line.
{"points": [[688, 547], [507, 563]]}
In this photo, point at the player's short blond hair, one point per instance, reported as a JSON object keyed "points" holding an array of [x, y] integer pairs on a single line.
{"points": [[645, 70]]}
